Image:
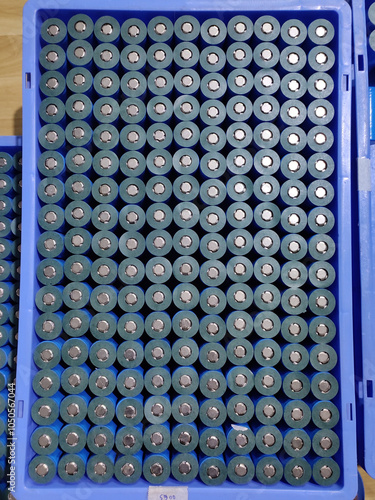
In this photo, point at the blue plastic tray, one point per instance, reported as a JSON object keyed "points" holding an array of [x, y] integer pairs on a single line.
{"points": [[364, 236], [34, 15]]}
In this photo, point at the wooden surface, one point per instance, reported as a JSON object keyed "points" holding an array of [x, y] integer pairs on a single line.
{"points": [[11, 100]]}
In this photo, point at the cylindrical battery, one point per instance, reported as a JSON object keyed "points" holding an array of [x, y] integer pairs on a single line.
{"points": [[185, 161], [160, 82], [47, 382], [45, 440], [71, 468], [320, 85], [107, 29], [76, 295], [101, 438], [156, 438], [100, 468], [186, 188], [185, 351], [213, 31], [50, 271], [129, 440], [297, 471], [294, 274], [184, 467], [297, 414], [325, 415], [157, 409], [187, 28], [213, 412], [159, 56], [157, 380], [75, 352], [128, 469], [293, 32], [266, 269], [320, 192], [131, 271], [45, 411], [133, 31], [159, 189], [132, 217], [325, 443], [322, 330], [158, 297], [133, 110], [158, 352], [269, 411], [326, 472], [103, 353], [297, 443], [324, 386], [321, 31], [269, 469], [160, 29], [156, 468], [80, 26], [321, 220], [130, 326], [133, 84], [75, 379], [212, 441], [212, 470], [52, 110], [42, 469], [78, 160], [212, 165], [73, 409], [80, 53], [296, 385], [52, 84], [268, 439], [52, 57], [159, 243], [49, 298], [132, 243], [267, 381], [133, 57], [79, 81], [159, 216], [102, 381], [293, 247], [240, 409], [266, 55], [295, 357], [185, 437], [267, 352], [240, 379], [185, 409], [185, 380], [130, 353], [107, 83], [129, 411], [266, 28], [241, 469]]}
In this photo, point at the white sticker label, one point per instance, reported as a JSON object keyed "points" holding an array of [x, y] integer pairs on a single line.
{"points": [[239, 427], [167, 493]]}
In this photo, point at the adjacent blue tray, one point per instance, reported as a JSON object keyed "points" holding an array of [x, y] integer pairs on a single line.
{"points": [[364, 235], [10, 145], [34, 15]]}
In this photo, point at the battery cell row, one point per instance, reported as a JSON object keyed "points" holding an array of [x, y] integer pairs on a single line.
{"points": [[161, 109], [184, 269], [184, 467], [186, 83], [211, 166], [186, 28], [159, 189]]}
